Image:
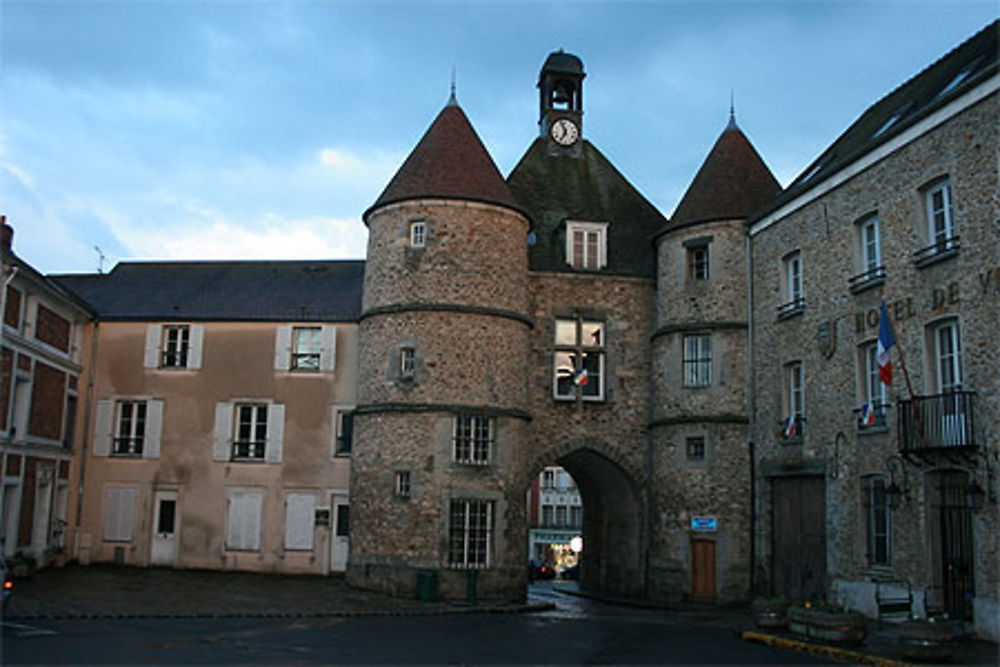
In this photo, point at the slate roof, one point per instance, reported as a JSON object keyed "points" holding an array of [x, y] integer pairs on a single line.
{"points": [[279, 291], [732, 183], [962, 69], [588, 188], [449, 162]]}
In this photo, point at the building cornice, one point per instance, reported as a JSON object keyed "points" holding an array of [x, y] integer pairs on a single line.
{"points": [[447, 308]]}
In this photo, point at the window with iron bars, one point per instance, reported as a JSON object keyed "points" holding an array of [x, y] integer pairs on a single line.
{"points": [[130, 431], [470, 533], [251, 431], [473, 435]]}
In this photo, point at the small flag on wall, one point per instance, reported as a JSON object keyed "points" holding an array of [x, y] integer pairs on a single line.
{"points": [[885, 342], [867, 414], [790, 427], [580, 377]]}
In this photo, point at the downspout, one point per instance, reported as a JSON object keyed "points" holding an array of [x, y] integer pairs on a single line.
{"points": [[751, 411]]}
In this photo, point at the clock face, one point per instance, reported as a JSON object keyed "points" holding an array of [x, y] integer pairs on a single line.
{"points": [[564, 132]]}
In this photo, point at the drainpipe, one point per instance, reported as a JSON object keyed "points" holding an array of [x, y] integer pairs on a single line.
{"points": [[751, 411]]}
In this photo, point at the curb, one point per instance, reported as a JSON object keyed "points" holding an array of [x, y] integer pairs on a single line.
{"points": [[448, 611], [835, 652]]}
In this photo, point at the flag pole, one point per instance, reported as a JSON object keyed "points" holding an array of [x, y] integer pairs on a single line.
{"points": [[918, 421]]}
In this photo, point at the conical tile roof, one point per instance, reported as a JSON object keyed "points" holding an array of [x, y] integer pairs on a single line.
{"points": [[449, 162], [732, 183]]}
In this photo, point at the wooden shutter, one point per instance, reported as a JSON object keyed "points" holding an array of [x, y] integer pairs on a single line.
{"points": [[154, 426], [222, 437], [328, 349], [300, 510], [283, 348], [243, 525], [275, 433], [104, 427], [152, 356], [196, 338]]}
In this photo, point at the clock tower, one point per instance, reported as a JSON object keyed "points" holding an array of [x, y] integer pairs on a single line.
{"points": [[560, 94]]}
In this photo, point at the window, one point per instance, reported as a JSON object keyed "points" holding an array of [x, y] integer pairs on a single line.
{"points": [[300, 519], [547, 520], [697, 360], [473, 439], [561, 515], [549, 479], [696, 448], [948, 357], [243, 520], [941, 226], [176, 339], [249, 430], [578, 364], [407, 362], [118, 514], [401, 484], [130, 428], [792, 283], [575, 516], [875, 391], [307, 344], [697, 262], [173, 346], [794, 400], [418, 234], [343, 420], [470, 533], [869, 243], [877, 520], [586, 245]]}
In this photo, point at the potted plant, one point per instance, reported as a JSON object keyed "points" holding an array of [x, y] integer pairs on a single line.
{"points": [[828, 622], [927, 639]]}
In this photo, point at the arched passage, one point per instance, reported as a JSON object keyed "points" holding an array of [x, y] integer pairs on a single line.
{"points": [[613, 533]]}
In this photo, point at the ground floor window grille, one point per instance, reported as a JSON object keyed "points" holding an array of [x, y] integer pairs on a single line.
{"points": [[470, 533]]}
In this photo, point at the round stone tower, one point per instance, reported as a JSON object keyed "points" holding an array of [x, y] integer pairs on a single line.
{"points": [[443, 341], [699, 426]]}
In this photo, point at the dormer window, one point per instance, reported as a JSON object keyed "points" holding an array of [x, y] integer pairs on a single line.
{"points": [[586, 245]]}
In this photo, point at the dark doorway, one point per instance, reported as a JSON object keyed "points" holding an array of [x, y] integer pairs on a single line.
{"points": [[798, 537], [950, 524]]}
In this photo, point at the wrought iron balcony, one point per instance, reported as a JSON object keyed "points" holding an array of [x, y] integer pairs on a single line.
{"points": [[866, 279], [791, 308], [945, 422], [940, 250]]}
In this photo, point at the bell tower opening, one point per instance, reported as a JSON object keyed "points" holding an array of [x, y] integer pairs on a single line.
{"points": [[560, 94]]}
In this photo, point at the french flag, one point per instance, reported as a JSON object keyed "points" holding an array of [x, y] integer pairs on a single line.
{"points": [[580, 377], [790, 429], [868, 415], [885, 342]]}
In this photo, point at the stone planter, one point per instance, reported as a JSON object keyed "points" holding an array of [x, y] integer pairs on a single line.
{"points": [[841, 627], [771, 614], [924, 641]]}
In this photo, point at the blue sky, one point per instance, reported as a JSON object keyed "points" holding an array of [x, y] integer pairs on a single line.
{"points": [[262, 130]]}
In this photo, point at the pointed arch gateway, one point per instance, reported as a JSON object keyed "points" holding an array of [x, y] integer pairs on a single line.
{"points": [[613, 519]]}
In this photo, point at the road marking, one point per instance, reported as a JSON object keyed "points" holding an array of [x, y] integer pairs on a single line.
{"points": [[27, 630]]}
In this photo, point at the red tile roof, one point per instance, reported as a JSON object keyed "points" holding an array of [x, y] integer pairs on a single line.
{"points": [[732, 183], [449, 162]]}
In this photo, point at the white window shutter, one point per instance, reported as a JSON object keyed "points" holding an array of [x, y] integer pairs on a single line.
{"points": [[112, 508], [283, 348], [275, 432], [103, 427], [118, 516], [152, 357], [300, 510], [195, 341], [243, 525], [154, 427], [222, 437], [328, 354]]}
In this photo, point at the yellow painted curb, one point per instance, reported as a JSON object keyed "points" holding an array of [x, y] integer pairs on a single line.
{"points": [[822, 649]]}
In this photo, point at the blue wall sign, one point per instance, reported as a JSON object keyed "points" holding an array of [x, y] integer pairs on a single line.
{"points": [[703, 523]]}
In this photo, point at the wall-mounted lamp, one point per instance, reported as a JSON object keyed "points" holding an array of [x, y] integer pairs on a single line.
{"points": [[897, 492]]}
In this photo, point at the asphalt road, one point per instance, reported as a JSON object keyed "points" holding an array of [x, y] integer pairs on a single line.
{"points": [[577, 632]]}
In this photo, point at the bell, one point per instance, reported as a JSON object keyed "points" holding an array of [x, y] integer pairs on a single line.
{"points": [[561, 95]]}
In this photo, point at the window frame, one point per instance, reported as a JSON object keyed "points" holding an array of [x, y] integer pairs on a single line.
{"points": [[587, 260], [402, 484], [871, 268], [313, 355], [250, 445], [699, 262], [939, 238], [175, 346], [133, 442], [947, 363], [418, 234], [579, 354], [873, 510], [794, 396], [873, 391], [343, 445], [473, 439], [697, 369], [696, 448], [470, 537], [407, 361]]}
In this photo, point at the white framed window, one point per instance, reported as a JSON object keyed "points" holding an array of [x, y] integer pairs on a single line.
{"points": [[473, 439], [174, 346], [248, 431], [697, 360], [418, 234], [794, 399], [128, 427], [548, 479], [343, 429], [794, 299], [948, 357], [875, 393], [470, 534], [243, 519], [940, 224], [697, 262], [878, 520], [305, 348], [586, 245], [300, 519], [407, 362], [401, 484], [868, 250], [578, 360], [119, 513]]}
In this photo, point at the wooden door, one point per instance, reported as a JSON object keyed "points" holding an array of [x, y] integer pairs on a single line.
{"points": [[798, 537], [703, 570]]}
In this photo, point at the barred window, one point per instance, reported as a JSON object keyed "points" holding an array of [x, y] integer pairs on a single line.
{"points": [[697, 360], [130, 431], [470, 533], [473, 435], [877, 520]]}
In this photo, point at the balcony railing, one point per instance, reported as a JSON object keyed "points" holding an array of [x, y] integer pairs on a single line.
{"points": [[941, 422], [791, 308], [940, 250], [869, 278]]}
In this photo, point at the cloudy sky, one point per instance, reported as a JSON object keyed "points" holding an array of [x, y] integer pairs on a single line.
{"points": [[237, 129]]}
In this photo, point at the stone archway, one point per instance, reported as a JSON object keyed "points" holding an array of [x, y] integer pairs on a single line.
{"points": [[613, 520]]}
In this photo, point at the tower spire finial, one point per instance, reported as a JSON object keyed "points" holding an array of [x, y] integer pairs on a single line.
{"points": [[453, 100], [732, 110]]}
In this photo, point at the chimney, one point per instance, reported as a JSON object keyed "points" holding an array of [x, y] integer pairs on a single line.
{"points": [[6, 234]]}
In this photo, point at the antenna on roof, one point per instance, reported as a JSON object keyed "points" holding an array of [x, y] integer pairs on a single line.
{"points": [[100, 260], [453, 100]]}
